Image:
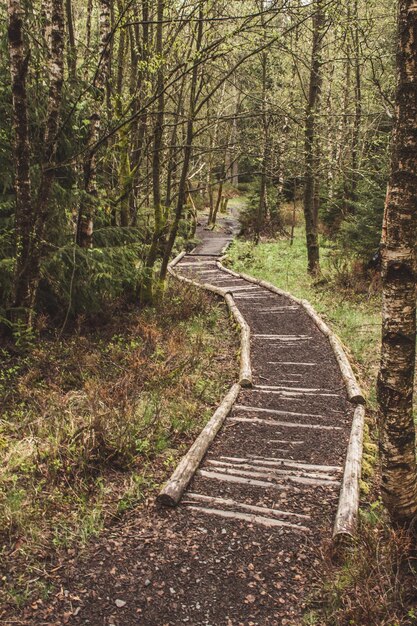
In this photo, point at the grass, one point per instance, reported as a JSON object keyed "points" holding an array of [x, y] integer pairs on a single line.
{"points": [[92, 423], [349, 304]]}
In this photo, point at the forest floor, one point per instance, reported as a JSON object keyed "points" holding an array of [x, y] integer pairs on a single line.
{"points": [[93, 422], [84, 524]]}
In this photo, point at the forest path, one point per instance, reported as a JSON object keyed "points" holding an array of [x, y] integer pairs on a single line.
{"points": [[244, 545]]}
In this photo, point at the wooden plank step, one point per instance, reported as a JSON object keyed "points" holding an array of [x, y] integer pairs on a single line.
{"points": [[258, 471], [279, 462], [284, 338], [228, 502], [238, 479], [307, 364], [300, 464], [293, 394], [249, 517], [277, 424], [259, 409]]}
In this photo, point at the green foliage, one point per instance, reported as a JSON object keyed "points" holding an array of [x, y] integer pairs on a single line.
{"points": [[355, 224], [88, 280], [249, 214], [360, 233]]}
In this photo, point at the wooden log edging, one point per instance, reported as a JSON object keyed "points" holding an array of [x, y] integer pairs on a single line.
{"points": [[245, 378], [245, 375], [172, 491], [348, 507], [354, 392], [347, 511], [177, 259], [217, 290]]}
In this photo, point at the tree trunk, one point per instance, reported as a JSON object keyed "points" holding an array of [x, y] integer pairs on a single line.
{"points": [[88, 33], [399, 273], [182, 191], [217, 205], [311, 153], [19, 59], [31, 217], [72, 49], [146, 290], [358, 111], [86, 212]]}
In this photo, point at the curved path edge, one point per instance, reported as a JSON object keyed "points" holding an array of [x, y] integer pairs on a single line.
{"points": [[348, 507], [347, 512]]}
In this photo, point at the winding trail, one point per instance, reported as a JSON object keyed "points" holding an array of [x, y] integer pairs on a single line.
{"points": [[244, 545]]}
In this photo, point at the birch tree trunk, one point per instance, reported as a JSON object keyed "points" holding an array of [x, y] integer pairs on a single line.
{"points": [[399, 273], [311, 153]]}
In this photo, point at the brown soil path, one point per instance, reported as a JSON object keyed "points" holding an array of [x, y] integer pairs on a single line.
{"points": [[244, 546]]}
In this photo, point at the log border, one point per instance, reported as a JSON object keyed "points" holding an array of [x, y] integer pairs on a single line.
{"points": [[354, 392], [348, 508], [245, 375], [173, 489]]}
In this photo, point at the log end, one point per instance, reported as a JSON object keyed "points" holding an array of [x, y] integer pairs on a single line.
{"points": [[165, 499], [357, 398], [246, 381], [342, 543]]}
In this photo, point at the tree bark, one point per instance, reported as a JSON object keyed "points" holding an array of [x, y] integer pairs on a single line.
{"points": [[31, 217], [72, 49], [19, 59], [86, 212], [358, 111], [182, 191], [311, 153], [146, 290], [399, 275]]}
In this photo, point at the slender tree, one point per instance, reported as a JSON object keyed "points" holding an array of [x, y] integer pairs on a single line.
{"points": [[19, 59], [146, 292], [101, 85], [182, 190], [399, 240], [311, 151]]}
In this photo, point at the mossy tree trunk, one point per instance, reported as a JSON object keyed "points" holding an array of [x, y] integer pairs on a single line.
{"points": [[32, 213], [85, 225]]}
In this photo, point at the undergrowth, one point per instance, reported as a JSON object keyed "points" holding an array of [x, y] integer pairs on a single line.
{"points": [[93, 421]]}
